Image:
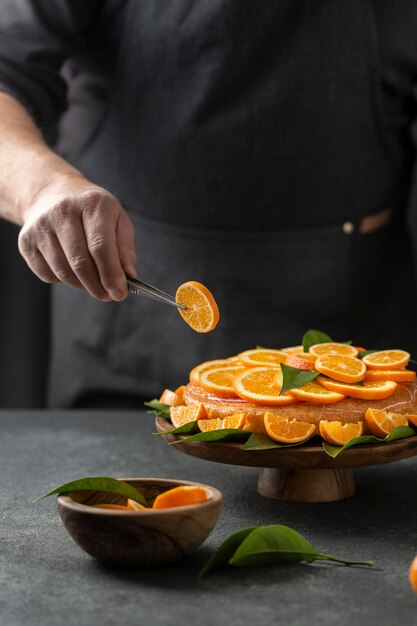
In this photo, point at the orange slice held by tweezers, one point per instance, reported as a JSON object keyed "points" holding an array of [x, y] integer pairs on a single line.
{"points": [[201, 312]]}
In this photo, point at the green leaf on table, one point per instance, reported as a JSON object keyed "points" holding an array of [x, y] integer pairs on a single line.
{"points": [[189, 427], [161, 410], [293, 377], [260, 441], [99, 483], [224, 553], [222, 434], [268, 545], [365, 353], [400, 432], [311, 337]]}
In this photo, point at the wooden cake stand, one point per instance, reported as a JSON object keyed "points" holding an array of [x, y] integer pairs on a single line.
{"points": [[300, 474]]}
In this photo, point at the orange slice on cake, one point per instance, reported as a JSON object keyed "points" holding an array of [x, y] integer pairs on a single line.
{"points": [[261, 385], [209, 365], [334, 349], [220, 380], [289, 431], [201, 312], [381, 423], [387, 359], [339, 434], [313, 392], [262, 357], [371, 390], [398, 376], [345, 369]]}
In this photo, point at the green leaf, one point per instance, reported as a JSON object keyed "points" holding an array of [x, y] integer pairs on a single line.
{"points": [[400, 432], [224, 553], [215, 435], [259, 441], [311, 337], [161, 410], [365, 353], [189, 427], [268, 545], [99, 483], [293, 377]]}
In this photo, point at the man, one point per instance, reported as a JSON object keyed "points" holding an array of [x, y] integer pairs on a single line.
{"points": [[256, 147]]}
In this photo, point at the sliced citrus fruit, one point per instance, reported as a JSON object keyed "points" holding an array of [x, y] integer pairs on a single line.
{"points": [[398, 376], [411, 418], [337, 433], [262, 357], [334, 349], [220, 380], [372, 390], [135, 506], [201, 312], [171, 398], [261, 385], [301, 363], [313, 392], [180, 496], [346, 369], [386, 359], [412, 574], [235, 421], [381, 423], [179, 392], [206, 426], [181, 415], [114, 507], [284, 430], [207, 365]]}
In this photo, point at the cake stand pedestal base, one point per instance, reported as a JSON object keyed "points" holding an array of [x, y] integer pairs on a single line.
{"points": [[306, 485]]}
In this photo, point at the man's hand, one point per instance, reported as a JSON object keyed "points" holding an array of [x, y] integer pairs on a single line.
{"points": [[79, 234]]}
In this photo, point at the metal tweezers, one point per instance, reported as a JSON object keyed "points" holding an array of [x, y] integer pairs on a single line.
{"points": [[140, 288]]}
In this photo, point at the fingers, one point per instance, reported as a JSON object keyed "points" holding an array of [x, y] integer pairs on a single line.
{"points": [[39, 266], [125, 238]]}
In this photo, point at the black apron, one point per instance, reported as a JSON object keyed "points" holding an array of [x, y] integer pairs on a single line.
{"points": [[246, 142]]}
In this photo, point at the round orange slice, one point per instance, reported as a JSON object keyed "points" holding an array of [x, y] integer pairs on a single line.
{"points": [[181, 415], [381, 423], [372, 390], [208, 365], [338, 434], [334, 349], [313, 392], [387, 359], [412, 574], [261, 385], [201, 312], [180, 496], [293, 349], [262, 358], [300, 362], [220, 380], [398, 376], [284, 430], [346, 369]]}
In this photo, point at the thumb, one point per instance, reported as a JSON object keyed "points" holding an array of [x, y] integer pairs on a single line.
{"points": [[125, 237]]}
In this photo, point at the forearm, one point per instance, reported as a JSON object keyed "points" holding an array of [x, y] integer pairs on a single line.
{"points": [[27, 164]]}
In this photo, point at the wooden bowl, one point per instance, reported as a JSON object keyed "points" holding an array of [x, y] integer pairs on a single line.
{"points": [[139, 538]]}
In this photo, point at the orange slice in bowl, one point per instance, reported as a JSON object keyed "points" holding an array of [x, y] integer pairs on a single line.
{"points": [[202, 313], [381, 423], [338, 434], [398, 376], [261, 385], [346, 369], [208, 365], [180, 496], [220, 380], [386, 359], [284, 430], [372, 390], [334, 349], [313, 392], [262, 358]]}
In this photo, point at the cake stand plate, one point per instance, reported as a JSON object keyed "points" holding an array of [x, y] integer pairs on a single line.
{"points": [[301, 473]]}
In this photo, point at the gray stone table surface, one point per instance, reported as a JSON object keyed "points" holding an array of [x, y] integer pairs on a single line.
{"points": [[46, 579]]}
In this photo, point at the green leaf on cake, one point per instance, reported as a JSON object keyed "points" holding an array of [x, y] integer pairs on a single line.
{"points": [[293, 377]]}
